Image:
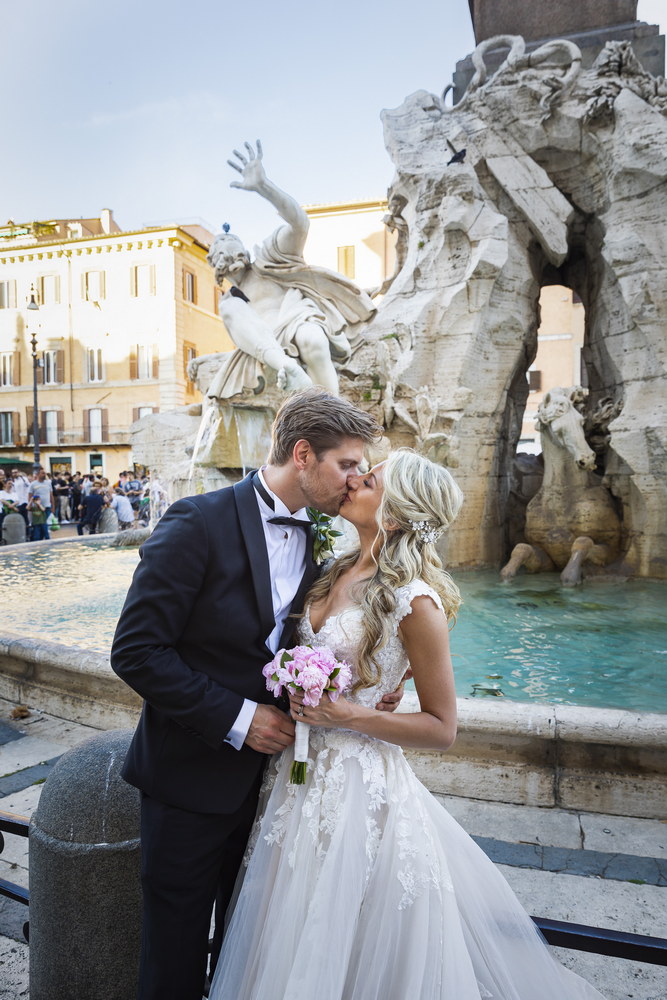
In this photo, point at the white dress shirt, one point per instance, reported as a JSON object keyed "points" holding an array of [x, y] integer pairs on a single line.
{"points": [[286, 548]]}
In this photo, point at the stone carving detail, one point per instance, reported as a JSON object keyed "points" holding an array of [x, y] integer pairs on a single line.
{"points": [[288, 320], [550, 190], [573, 518], [543, 173]]}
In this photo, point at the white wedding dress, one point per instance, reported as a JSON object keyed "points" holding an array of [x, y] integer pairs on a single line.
{"points": [[358, 885]]}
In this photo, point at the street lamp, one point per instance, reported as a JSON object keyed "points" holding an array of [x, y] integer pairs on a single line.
{"points": [[35, 365]]}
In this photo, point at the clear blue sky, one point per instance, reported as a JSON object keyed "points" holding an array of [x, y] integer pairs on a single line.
{"points": [[135, 105]]}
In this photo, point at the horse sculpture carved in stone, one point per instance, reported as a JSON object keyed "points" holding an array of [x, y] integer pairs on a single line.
{"points": [[572, 519]]}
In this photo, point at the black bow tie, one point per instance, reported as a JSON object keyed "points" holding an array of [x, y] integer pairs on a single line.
{"points": [[290, 520], [268, 500]]}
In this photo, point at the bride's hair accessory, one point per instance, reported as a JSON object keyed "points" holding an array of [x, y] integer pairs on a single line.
{"points": [[426, 530]]}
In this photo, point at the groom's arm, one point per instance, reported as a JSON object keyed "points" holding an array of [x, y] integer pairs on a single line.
{"points": [[165, 587]]}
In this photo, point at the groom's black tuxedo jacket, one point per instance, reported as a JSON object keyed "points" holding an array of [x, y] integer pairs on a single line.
{"points": [[191, 640]]}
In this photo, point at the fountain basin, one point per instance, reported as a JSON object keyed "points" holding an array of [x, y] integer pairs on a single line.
{"points": [[601, 645], [609, 760], [593, 759]]}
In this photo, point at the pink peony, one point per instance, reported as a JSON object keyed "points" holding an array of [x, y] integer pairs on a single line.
{"points": [[308, 671]]}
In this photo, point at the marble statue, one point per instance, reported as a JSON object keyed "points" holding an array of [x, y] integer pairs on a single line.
{"points": [[544, 173], [287, 319], [564, 181], [573, 518]]}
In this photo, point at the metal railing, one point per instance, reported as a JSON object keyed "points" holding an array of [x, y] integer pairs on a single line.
{"points": [[19, 826], [559, 933]]}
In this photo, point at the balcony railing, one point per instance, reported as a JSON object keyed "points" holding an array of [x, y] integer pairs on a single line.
{"points": [[78, 436]]}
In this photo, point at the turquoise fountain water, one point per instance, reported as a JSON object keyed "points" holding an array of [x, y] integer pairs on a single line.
{"points": [[532, 640]]}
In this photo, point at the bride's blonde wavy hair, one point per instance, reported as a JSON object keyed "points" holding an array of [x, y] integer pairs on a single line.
{"points": [[419, 500]]}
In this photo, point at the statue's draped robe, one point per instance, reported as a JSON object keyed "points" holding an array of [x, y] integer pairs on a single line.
{"points": [[312, 295]]}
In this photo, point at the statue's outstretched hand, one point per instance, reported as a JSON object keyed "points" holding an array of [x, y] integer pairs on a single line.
{"points": [[250, 167]]}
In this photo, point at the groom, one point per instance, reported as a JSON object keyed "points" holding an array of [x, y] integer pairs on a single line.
{"points": [[208, 607]]}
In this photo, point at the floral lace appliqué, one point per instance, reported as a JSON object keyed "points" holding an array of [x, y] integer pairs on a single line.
{"points": [[332, 755]]}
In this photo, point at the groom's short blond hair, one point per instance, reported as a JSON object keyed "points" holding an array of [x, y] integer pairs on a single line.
{"points": [[321, 419]]}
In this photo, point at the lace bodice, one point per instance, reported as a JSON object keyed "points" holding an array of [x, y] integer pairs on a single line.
{"points": [[342, 634]]}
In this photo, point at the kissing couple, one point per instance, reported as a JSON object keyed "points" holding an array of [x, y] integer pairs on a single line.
{"points": [[356, 884]]}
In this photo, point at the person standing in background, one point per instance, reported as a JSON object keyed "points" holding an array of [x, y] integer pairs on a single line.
{"points": [[40, 498], [21, 487]]}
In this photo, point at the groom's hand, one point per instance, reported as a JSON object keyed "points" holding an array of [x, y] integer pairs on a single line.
{"points": [[270, 730], [391, 701]]}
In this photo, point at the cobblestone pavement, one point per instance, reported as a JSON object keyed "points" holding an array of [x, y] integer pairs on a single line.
{"points": [[607, 871]]}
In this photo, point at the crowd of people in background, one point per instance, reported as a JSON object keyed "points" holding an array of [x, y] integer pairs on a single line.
{"points": [[70, 498]]}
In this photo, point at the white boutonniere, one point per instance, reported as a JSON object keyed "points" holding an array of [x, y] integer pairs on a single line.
{"points": [[324, 535]]}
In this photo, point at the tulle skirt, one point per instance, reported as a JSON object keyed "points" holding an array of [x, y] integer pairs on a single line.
{"points": [[359, 885]]}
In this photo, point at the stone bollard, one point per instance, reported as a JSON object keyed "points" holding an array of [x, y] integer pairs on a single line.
{"points": [[85, 892]]}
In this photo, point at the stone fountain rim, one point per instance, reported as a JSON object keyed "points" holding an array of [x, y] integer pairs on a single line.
{"points": [[71, 669]]}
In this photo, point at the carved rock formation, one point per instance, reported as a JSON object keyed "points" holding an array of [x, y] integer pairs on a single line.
{"points": [[564, 179]]}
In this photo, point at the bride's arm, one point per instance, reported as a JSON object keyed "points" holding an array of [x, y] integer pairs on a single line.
{"points": [[425, 635]]}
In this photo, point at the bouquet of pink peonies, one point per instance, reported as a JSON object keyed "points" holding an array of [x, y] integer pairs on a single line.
{"points": [[309, 671]]}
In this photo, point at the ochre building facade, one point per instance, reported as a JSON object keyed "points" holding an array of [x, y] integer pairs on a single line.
{"points": [[119, 315]]}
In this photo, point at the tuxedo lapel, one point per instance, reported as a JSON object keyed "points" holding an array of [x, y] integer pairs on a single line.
{"points": [[252, 531]]}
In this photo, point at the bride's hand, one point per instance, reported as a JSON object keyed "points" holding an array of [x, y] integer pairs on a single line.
{"points": [[328, 714]]}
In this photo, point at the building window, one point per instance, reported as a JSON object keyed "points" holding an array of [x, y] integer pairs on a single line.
{"points": [[49, 289], [8, 294], [96, 464], [93, 285], [346, 261], [142, 411], [142, 280], [94, 364], [6, 428], [144, 362], [96, 427], [53, 367], [50, 418], [7, 368], [534, 380], [189, 286], [189, 354]]}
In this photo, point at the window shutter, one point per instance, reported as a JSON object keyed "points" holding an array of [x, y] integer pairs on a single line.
{"points": [[185, 362], [534, 381], [40, 290], [17, 368], [133, 282], [28, 419], [40, 369], [84, 286], [155, 361], [60, 367], [61, 425], [86, 425], [134, 367], [152, 278], [105, 424], [103, 284], [42, 427], [16, 426], [56, 289], [135, 413]]}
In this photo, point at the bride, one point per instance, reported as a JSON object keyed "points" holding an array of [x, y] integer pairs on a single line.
{"points": [[358, 885]]}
